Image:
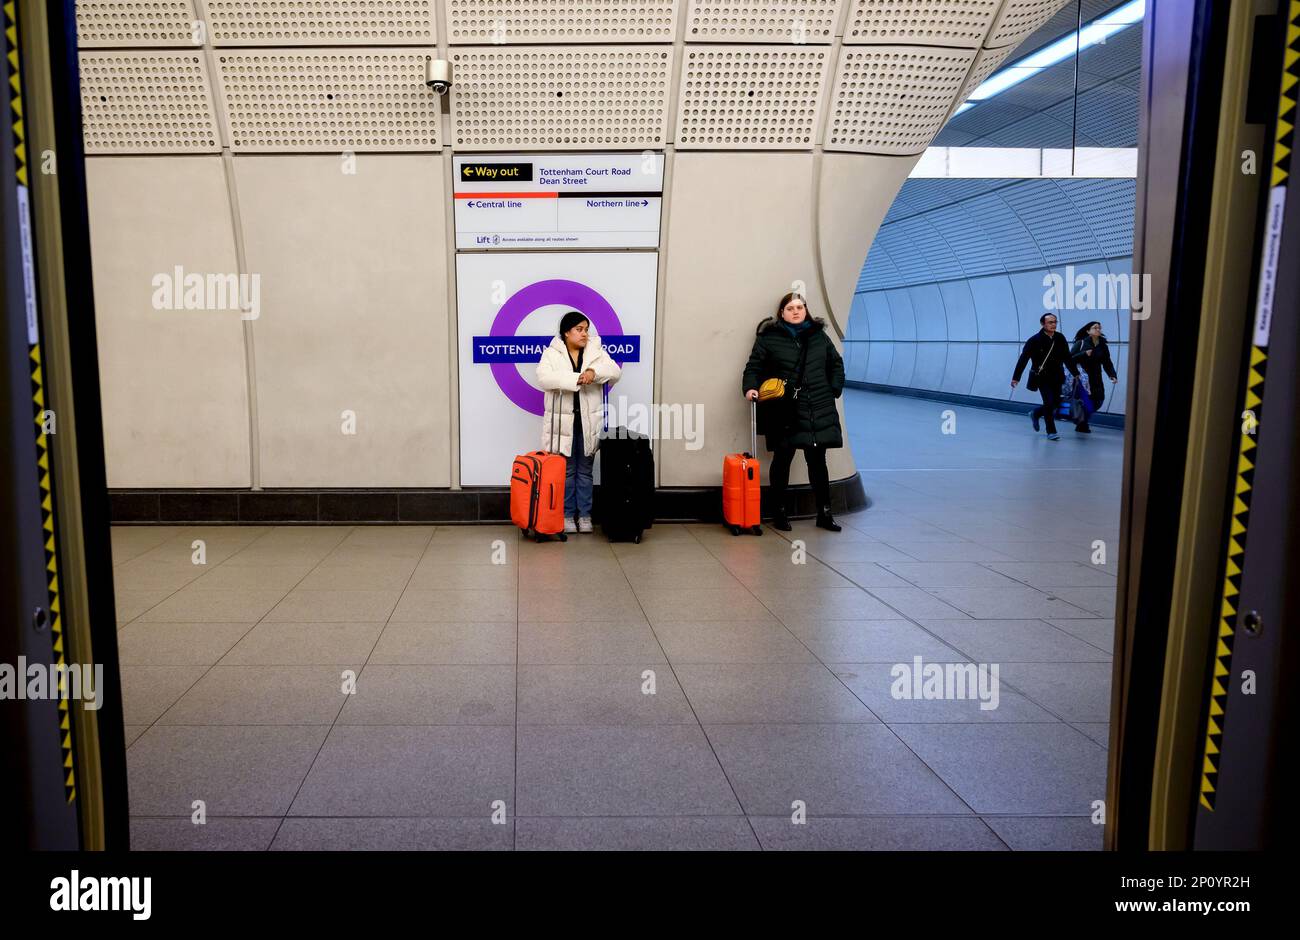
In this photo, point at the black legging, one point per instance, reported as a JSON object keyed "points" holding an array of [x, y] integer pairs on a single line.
{"points": [[818, 475]]}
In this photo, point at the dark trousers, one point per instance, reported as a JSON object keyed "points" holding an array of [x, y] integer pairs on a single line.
{"points": [[818, 475], [1051, 398]]}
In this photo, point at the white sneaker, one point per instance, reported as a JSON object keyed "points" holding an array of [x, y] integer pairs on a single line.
{"points": [[584, 524], [570, 526]]}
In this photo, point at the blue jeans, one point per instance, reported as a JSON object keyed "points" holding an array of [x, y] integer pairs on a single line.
{"points": [[577, 476]]}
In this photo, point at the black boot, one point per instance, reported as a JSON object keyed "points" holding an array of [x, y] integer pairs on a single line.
{"points": [[781, 521], [824, 520]]}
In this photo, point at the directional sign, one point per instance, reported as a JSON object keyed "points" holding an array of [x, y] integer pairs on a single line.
{"points": [[558, 201]]}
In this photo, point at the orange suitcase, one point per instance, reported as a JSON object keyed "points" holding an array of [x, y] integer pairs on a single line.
{"points": [[537, 494], [740, 484]]}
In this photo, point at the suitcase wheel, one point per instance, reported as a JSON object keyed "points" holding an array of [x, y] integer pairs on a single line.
{"points": [[539, 538], [564, 537], [735, 529], [758, 530], [636, 540]]}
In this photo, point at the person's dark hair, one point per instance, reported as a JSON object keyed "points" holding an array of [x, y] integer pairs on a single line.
{"points": [[570, 320], [1043, 318], [789, 297], [1083, 330]]}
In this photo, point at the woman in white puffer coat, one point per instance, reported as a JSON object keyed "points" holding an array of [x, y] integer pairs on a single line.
{"points": [[575, 362]]}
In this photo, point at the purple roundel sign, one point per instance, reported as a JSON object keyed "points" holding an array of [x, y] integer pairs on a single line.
{"points": [[524, 301]]}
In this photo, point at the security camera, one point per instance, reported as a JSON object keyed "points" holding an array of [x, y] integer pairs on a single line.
{"points": [[437, 75]]}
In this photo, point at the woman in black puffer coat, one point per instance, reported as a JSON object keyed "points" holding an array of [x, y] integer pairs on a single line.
{"points": [[808, 421]]}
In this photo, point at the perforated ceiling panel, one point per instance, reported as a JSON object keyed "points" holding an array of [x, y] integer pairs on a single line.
{"points": [[102, 23], [328, 100], [751, 97], [986, 63], [321, 22], [893, 99], [154, 102], [1020, 18], [523, 21], [944, 23], [540, 97], [795, 21]]}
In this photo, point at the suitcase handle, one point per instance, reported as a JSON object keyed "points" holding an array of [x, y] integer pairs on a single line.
{"points": [[753, 430]]}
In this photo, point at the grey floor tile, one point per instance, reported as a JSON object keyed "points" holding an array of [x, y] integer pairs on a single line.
{"points": [[148, 691], [916, 603], [601, 695], [1048, 834], [928, 574], [145, 574], [629, 834], [456, 605], [220, 834], [876, 834], [304, 644], [131, 604], [177, 644], [1099, 632], [282, 578], [840, 769], [1098, 731], [828, 603], [769, 692], [892, 694], [870, 641], [355, 606], [1005, 603], [447, 644], [431, 577], [811, 574], [659, 770], [869, 574], [549, 605], [691, 576], [235, 771], [377, 834], [859, 553], [262, 695], [429, 770], [972, 552], [736, 603], [1011, 641], [192, 605], [1001, 767], [1037, 550], [1061, 573], [1074, 691], [132, 732], [1097, 601], [583, 642], [432, 695], [374, 578], [730, 641]]}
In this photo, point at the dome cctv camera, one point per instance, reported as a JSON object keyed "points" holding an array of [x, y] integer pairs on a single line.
{"points": [[437, 75]]}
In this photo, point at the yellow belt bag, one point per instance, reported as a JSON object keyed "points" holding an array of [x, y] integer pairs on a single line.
{"points": [[771, 388]]}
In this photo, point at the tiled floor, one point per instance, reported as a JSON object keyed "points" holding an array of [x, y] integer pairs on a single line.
{"points": [[694, 691]]}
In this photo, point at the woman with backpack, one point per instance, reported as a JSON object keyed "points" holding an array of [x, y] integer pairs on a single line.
{"points": [[794, 346], [575, 363], [1092, 354]]}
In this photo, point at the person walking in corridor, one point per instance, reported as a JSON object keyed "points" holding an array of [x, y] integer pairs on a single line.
{"points": [[794, 346], [1049, 354], [1091, 352], [575, 362]]}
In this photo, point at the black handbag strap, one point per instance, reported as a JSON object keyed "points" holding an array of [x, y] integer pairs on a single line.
{"points": [[803, 361]]}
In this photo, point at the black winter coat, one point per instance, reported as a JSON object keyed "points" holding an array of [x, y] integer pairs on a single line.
{"points": [[1037, 349], [776, 356], [1094, 364]]}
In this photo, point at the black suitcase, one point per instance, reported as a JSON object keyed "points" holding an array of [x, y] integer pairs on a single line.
{"points": [[625, 502]]}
